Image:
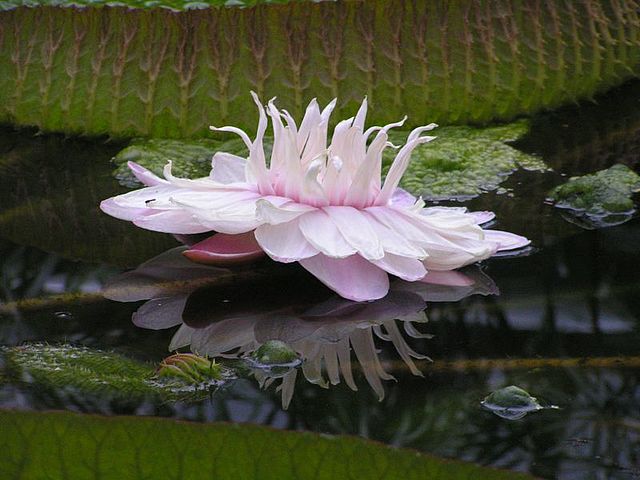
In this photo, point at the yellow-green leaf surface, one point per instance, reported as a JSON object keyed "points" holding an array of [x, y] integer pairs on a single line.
{"points": [[72, 446]]}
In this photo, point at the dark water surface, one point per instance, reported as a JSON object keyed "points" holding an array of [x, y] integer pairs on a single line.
{"points": [[562, 322]]}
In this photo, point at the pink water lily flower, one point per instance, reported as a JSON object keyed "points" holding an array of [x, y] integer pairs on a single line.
{"points": [[325, 207]]}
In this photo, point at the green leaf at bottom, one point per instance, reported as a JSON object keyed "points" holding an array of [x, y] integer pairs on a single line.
{"points": [[72, 446]]}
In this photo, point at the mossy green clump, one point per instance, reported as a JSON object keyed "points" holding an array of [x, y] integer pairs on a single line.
{"points": [[190, 368], [463, 162], [103, 374], [605, 192]]}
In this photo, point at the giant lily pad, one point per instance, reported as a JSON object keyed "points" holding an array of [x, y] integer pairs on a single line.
{"points": [[66, 445], [114, 67]]}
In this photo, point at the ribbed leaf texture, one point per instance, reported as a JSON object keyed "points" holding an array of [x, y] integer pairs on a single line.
{"points": [[66, 445], [158, 72]]}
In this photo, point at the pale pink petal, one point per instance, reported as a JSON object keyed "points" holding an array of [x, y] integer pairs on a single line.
{"points": [[228, 168], [222, 249], [146, 177], [439, 210], [310, 191], [449, 278], [506, 240], [170, 221], [287, 211], [366, 184], [111, 207], [356, 230], [284, 242], [322, 233], [156, 197], [358, 121], [400, 164], [483, 217], [241, 133], [310, 121], [353, 277], [392, 241], [410, 269], [257, 160], [402, 198], [451, 258]]}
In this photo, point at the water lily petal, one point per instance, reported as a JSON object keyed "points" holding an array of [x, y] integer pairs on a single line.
{"points": [[273, 214], [353, 277], [320, 231], [146, 177], [170, 221], [407, 268], [227, 168], [356, 230], [113, 208], [398, 167], [483, 217], [402, 198], [393, 242], [222, 249], [506, 240], [284, 242]]}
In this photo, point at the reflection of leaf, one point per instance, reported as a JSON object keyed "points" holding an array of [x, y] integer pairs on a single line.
{"points": [[50, 188], [66, 445]]}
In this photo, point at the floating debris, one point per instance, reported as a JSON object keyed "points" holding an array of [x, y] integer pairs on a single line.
{"points": [[513, 403], [274, 357]]}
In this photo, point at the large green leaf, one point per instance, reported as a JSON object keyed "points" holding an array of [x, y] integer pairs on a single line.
{"points": [[156, 72], [65, 446]]}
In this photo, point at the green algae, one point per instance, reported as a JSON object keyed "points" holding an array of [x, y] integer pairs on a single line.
{"points": [[102, 374], [602, 198], [461, 163]]}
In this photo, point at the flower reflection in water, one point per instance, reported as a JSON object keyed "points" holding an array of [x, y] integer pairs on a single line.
{"points": [[231, 314]]}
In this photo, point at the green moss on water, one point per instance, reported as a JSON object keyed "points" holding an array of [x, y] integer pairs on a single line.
{"points": [[605, 192], [101, 374], [462, 162]]}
